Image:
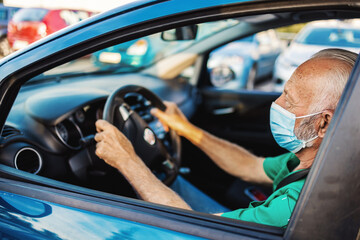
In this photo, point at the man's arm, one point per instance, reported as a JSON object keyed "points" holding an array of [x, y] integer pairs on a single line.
{"points": [[232, 158], [116, 150]]}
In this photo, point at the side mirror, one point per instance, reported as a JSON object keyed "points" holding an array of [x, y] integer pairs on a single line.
{"points": [[179, 34], [221, 75]]}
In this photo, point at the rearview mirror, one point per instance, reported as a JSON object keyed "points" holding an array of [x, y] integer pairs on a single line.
{"points": [[179, 34]]}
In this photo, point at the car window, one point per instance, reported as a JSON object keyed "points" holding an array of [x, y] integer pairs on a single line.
{"points": [[71, 17], [30, 14], [309, 38], [134, 55], [266, 60], [246, 63], [335, 37]]}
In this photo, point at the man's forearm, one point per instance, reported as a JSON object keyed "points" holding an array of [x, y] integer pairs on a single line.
{"points": [[150, 188], [232, 158]]}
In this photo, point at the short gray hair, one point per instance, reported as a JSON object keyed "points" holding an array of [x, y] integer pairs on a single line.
{"points": [[330, 92], [337, 77]]}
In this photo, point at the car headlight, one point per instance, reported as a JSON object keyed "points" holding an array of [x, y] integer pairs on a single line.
{"points": [[110, 57], [139, 48]]}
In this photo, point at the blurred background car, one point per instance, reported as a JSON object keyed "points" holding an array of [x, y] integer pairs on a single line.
{"points": [[147, 50], [136, 53], [6, 14], [314, 37], [31, 24], [245, 62]]}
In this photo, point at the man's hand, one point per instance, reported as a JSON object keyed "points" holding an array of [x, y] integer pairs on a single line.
{"points": [[116, 150], [232, 158], [113, 147], [172, 118]]}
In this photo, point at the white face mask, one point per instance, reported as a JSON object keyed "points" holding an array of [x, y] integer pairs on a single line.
{"points": [[282, 124]]}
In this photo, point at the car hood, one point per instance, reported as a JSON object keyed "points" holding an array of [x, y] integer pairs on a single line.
{"points": [[298, 53]]}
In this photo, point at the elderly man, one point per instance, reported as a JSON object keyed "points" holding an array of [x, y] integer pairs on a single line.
{"points": [[299, 119]]}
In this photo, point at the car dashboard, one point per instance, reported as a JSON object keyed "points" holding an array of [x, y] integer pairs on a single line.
{"points": [[51, 126]]}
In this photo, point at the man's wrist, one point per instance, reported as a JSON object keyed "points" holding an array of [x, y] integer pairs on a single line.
{"points": [[130, 166], [193, 133]]}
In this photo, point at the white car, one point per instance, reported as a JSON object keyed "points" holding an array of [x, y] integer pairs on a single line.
{"points": [[312, 38]]}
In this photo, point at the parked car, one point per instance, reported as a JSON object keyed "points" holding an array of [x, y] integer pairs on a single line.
{"points": [[138, 52], [312, 38], [245, 62], [31, 24], [6, 14], [52, 185], [144, 51]]}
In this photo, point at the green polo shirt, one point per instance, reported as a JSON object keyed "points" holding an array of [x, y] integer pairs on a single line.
{"points": [[277, 209]]}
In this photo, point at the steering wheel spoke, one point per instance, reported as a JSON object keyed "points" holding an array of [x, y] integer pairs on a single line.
{"points": [[162, 159]]}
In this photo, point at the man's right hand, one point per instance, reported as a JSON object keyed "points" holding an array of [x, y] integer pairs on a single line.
{"points": [[172, 118]]}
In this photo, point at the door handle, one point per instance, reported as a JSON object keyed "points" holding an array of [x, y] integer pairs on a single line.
{"points": [[223, 111]]}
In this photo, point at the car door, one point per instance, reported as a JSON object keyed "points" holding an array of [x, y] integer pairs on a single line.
{"points": [[26, 217], [107, 211], [239, 115]]}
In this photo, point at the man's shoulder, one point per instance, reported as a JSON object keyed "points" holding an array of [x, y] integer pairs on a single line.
{"points": [[273, 165]]}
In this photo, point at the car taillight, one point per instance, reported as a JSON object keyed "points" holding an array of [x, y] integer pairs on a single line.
{"points": [[42, 30]]}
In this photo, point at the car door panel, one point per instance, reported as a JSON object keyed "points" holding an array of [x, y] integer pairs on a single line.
{"points": [[35, 219], [240, 116], [34, 207]]}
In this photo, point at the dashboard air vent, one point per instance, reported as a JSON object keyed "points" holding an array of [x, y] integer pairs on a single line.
{"points": [[29, 160], [9, 131]]}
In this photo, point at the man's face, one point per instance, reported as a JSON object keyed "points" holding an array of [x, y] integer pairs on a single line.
{"points": [[297, 98]]}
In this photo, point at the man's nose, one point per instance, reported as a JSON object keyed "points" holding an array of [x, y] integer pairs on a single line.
{"points": [[280, 100]]}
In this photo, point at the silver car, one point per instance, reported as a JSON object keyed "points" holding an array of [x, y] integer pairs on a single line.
{"points": [[314, 37]]}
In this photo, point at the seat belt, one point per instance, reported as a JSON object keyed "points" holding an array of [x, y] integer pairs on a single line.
{"points": [[292, 178]]}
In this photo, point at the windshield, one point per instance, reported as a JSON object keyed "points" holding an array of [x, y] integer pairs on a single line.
{"points": [[134, 55], [336, 37]]}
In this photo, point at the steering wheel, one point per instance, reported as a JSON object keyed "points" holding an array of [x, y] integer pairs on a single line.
{"points": [[162, 156]]}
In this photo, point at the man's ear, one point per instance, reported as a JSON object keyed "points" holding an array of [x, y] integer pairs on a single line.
{"points": [[325, 119]]}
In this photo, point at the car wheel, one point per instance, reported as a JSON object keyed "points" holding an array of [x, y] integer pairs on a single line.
{"points": [[5, 48], [251, 78]]}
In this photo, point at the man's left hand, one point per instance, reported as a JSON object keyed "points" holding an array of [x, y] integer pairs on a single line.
{"points": [[113, 147]]}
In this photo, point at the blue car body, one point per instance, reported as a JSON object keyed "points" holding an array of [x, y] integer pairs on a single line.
{"points": [[250, 60], [137, 53], [28, 218], [35, 207]]}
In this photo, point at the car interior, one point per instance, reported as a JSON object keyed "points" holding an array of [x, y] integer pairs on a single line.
{"points": [[48, 135]]}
